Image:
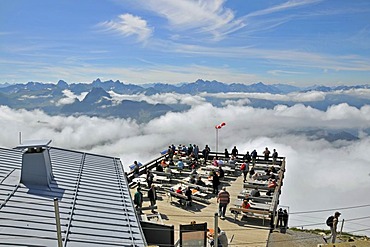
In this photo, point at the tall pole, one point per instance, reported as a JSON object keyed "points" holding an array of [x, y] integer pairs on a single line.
{"points": [[57, 222], [215, 231], [216, 141]]}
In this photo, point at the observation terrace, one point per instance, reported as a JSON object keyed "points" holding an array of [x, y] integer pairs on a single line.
{"points": [[242, 229]]}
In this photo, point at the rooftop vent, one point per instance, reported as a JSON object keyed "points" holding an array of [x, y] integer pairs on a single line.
{"points": [[36, 164]]}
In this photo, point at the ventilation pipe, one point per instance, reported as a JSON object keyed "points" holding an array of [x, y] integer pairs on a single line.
{"points": [[36, 164]]}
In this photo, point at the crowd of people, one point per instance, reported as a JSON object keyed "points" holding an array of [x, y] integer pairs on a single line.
{"points": [[193, 162]]}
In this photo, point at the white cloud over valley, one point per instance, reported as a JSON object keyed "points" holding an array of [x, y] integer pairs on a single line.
{"points": [[320, 174]]}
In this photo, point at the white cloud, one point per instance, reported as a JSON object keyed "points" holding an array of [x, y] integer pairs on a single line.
{"points": [[320, 175], [129, 25], [295, 97], [277, 72], [239, 102], [284, 6], [202, 17], [165, 98], [70, 97]]}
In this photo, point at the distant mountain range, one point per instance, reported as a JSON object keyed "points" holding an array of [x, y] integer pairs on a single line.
{"points": [[98, 100]]}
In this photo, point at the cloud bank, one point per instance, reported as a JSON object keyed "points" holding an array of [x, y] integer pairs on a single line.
{"points": [[320, 174]]}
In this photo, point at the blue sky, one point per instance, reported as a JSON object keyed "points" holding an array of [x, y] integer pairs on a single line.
{"points": [[301, 43]]}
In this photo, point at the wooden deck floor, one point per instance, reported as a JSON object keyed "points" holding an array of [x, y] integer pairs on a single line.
{"points": [[243, 233]]}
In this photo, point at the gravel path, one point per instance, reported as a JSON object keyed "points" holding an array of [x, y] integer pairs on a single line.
{"points": [[294, 239]]}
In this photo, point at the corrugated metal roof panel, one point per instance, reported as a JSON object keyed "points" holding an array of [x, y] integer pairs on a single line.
{"points": [[94, 202], [34, 143]]}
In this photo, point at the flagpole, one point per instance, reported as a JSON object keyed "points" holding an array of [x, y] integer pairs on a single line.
{"points": [[216, 141]]}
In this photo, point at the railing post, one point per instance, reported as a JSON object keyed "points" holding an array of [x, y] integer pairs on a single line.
{"points": [[215, 231], [57, 222], [341, 227]]}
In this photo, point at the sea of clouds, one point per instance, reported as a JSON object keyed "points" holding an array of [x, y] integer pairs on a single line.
{"points": [[320, 175]]}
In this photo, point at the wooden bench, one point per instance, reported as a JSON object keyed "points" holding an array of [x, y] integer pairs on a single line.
{"points": [[253, 212], [162, 174], [183, 198], [252, 186], [198, 187], [162, 179]]}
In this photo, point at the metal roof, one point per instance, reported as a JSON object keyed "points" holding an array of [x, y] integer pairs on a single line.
{"points": [[34, 143], [95, 204]]}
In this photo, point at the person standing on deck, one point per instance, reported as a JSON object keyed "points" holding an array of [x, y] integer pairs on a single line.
{"points": [[266, 153], [136, 169], [195, 151], [149, 178], [234, 152], [280, 217], [152, 195], [188, 194], [227, 156], [215, 182], [332, 222], [274, 156], [254, 156], [247, 157], [138, 198], [223, 199], [245, 169], [205, 153]]}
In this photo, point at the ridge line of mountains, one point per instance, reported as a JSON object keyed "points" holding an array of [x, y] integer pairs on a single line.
{"points": [[98, 100], [182, 88]]}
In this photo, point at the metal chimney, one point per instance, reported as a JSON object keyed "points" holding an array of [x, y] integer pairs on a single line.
{"points": [[36, 164]]}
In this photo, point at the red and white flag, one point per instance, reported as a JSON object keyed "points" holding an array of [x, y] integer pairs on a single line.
{"points": [[220, 125]]}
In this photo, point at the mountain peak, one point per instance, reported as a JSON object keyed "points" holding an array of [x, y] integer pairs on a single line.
{"points": [[62, 84]]}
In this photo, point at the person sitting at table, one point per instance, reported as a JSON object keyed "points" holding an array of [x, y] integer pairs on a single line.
{"points": [[251, 172], [255, 192], [180, 165], [192, 179], [163, 163], [200, 182], [221, 173], [261, 176], [273, 169], [215, 162], [271, 185], [159, 168], [232, 162], [179, 190], [171, 163], [193, 171], [245, 204], [168, 172], [184, 150]]}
